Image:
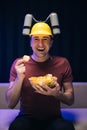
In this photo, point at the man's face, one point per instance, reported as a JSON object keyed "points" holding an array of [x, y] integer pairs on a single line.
{"points": [[41, 45]]}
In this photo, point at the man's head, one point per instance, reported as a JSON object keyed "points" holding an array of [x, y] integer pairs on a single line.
{"points": [[41, 40], [41, 28]]}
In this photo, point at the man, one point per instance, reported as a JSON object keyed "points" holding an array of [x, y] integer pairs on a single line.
{"points": [[39, 108]]}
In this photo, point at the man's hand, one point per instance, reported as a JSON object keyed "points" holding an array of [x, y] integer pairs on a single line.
{"points": [[20, 68], [48, 91], [66, 97]]}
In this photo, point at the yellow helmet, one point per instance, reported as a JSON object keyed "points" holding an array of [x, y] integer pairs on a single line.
{"points": [[41, 28]]}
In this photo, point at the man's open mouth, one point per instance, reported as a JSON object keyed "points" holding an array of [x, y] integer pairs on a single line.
{"points": [[40, 49]]}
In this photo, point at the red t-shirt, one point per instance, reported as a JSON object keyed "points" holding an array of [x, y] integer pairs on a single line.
{"points": [[37, 105]]}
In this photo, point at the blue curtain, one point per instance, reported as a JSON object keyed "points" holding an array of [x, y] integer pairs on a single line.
{"points": [[71, 43]]}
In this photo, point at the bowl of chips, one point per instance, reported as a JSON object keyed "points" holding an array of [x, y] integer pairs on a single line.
{"points": [[47, 79]]}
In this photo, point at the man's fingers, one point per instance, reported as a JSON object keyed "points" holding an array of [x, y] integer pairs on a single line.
{"points": [[39, 88], [20, 61]]}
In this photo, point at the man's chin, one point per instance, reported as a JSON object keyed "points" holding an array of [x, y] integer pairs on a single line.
{"points": [[41, 55]]}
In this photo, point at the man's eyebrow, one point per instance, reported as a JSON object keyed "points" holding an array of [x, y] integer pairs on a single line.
{"points": [[42, 37], [36, 37], [46, 37]]}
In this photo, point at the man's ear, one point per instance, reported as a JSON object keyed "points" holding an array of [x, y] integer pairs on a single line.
{"points": [[30, 42]]}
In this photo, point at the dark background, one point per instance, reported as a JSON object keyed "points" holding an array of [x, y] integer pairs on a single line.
{"points": [[71, 43]]}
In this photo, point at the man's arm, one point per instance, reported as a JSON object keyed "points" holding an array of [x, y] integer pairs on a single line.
{"points": [[13, 93], [67, 95], [14, 90]]}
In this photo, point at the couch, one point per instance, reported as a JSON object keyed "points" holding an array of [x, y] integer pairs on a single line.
{"points": [[77, 113]]}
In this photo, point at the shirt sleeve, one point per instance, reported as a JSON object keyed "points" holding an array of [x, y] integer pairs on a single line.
{"points": [[67, 76], [13, 73]]}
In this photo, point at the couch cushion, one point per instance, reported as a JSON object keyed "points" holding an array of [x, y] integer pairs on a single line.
{"points": [[77, 116], [6, 117]]}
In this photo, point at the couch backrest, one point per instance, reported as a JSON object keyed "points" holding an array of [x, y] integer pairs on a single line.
{"points": [[80, 90], [3, 89]]}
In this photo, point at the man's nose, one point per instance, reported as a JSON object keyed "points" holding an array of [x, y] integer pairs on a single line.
{"points": [[40, 42]]}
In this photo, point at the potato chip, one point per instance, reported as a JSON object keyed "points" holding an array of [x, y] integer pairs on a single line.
{"points": [[26, 58]]}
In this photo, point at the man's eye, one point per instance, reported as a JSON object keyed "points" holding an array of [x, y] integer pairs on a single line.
{"points": [[36, 39], [45, 39]]}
